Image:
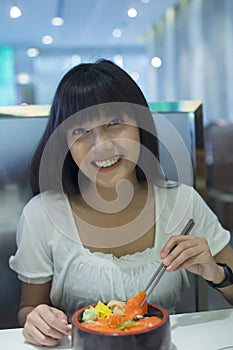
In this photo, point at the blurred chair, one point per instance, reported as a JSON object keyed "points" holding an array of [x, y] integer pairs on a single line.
{"points": [[9, 285], [186, 128], [219, 159], [25, 127]]}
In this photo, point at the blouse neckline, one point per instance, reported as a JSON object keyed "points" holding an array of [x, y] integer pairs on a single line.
{"points": [[140, 254]]}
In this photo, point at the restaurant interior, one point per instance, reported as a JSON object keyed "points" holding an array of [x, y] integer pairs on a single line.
{"points": [[179, 53]]}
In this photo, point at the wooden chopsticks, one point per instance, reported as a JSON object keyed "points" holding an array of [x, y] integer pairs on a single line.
{"points": [[161, 269]]}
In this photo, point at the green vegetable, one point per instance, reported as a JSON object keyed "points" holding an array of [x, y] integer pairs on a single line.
{"points": [[90, 315], [126, 324]]}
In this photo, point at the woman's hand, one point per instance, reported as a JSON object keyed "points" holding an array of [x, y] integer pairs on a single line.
{"points": [[45, 326], [193, 254]]}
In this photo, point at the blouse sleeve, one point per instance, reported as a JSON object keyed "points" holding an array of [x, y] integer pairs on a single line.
{"points": [[208, 225], [33, 258]]}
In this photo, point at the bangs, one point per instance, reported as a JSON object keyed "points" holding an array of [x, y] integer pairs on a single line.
{"points": [[101, 113]]}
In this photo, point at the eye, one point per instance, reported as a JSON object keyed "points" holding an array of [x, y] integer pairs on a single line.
{"points": [[115, 122], [79, 131]]}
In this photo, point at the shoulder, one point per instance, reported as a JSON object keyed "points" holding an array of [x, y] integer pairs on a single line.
{"points": [[49, 211], [172, 189], [39, 204], [174, 206]]}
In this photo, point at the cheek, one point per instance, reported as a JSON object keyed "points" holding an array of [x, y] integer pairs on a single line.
{"points": [[134, 151], [78, 154], [133, 145]]}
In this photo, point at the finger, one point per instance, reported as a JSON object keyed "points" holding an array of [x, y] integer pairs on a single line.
{"points": [[184, 259], [37, 338], [44, 327], [190, 251], [178, 250], [172, 242], [54, 319], [59, 314]]}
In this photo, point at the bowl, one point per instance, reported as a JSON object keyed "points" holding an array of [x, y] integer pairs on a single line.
{"points": [[155, 338]]}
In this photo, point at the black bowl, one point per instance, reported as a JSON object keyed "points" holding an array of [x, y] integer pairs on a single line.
{"points": [[156, 338]]}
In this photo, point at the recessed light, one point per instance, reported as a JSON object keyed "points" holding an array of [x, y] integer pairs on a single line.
{"points": [[132, 12], [23, 78], [118, 59], [156, 62], [33, 52], [116, 33], [135, 75], [15, 12], [47, 39], [75, 59], [57, 21]]}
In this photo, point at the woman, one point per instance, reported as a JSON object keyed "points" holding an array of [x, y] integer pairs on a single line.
{"points": [[103, 217]]}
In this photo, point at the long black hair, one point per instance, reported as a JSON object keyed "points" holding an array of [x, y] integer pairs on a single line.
{"points": [[87, 85]]}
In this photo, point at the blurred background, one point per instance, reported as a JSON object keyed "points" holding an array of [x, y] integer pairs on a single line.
{"points": [[175, 50], [178, 51]]}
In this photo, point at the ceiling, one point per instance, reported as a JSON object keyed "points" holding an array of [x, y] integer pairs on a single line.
{"points": [[87, 23]]}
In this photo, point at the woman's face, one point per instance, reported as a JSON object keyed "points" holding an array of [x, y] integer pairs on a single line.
{"points": [[107, 150]]}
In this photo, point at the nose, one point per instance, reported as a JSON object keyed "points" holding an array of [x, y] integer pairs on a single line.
{"points": [[101, 138]]}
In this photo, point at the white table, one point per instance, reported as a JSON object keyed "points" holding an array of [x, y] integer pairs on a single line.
{"points": [[211, 330]]}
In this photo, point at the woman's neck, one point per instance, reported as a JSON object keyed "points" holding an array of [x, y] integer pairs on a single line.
{"points": [[129, 229], [117, 197]]}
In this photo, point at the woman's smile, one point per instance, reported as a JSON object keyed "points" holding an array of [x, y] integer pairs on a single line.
{"points": [[108, 164]]}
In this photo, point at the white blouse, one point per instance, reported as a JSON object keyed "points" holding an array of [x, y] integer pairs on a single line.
{"points": [[49, 248]]}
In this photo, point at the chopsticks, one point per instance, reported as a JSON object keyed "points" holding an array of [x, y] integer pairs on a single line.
{"points": [[161, 269]]}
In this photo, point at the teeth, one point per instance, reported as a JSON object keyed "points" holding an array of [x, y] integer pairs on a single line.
{"points": [[106, 163]]}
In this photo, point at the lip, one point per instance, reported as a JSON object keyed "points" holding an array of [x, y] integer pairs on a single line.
{"points": [[107, 168], [107, 157]]}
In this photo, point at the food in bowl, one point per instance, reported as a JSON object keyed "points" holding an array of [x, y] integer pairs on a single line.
{"points": [[122, 325]]}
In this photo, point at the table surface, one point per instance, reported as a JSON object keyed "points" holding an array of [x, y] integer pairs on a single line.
{"points": [[209, 330]]}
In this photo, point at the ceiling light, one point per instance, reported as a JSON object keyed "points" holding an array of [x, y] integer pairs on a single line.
{"points": [[116, 33], [47, 39], [15, 12], [156, 62], [118, 59], [57, 21], [33, 52], [145, 1], [23, 78], [135, 75], [75, 59], [132, 13]]}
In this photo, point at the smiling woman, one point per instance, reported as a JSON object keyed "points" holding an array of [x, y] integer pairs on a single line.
{"points": [[97, 227]]}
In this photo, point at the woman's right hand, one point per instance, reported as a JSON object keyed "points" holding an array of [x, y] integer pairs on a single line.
{"points": [[45, 326]]}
